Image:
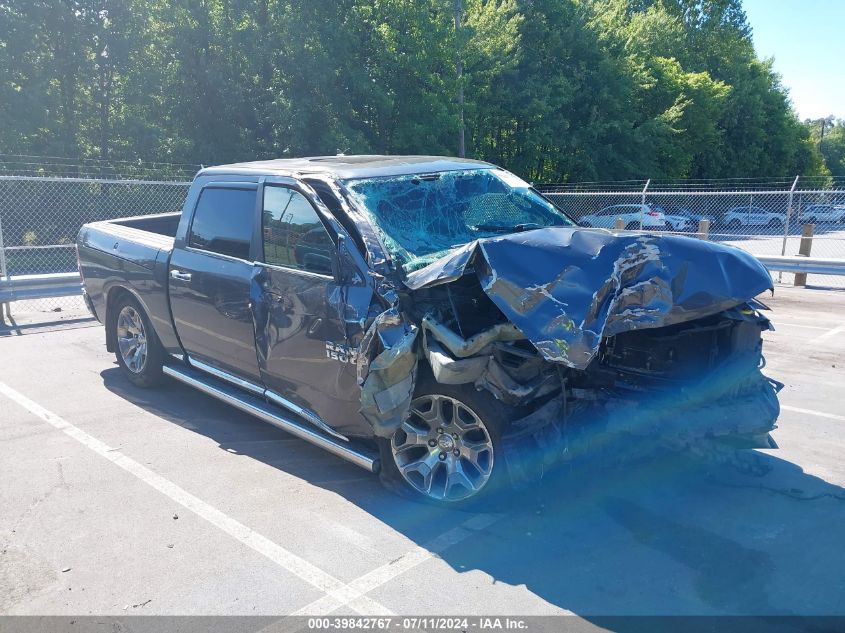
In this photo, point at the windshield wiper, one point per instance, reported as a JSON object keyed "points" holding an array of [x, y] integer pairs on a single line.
{"points": [[501, 228]]}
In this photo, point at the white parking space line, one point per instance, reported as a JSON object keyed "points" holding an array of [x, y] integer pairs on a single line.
{"points": [[389, 571], [837, 331], [340, 592], [790, 324], [820, 414], [815, 317]]}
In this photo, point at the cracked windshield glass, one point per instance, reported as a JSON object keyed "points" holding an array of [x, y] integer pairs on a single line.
{"points": [[421, 218]]}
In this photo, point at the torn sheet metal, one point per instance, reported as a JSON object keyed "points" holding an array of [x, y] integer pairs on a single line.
{"points": [[566, 288], [387, 367], [449, 371], [482, 368], [463, 348]]}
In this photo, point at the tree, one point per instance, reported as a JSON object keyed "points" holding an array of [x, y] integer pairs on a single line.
{"points": [[554, 89]]}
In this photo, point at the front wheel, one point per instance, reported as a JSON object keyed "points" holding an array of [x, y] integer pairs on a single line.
{"points": [[448, 450], [138, 352]]}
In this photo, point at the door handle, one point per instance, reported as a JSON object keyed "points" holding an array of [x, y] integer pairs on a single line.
{"points": [[178, 274]]}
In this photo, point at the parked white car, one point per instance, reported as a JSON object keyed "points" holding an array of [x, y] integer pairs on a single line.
{"points": [[631, 214], [738, 217], [680, 222], [823, 214]]}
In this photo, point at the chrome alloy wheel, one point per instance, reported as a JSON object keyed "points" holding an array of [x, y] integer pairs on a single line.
{"points": [[132, 339], [443, 449]]}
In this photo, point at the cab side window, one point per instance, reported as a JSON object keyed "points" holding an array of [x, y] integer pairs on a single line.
{"points": [[294, 236], [223, 221]]}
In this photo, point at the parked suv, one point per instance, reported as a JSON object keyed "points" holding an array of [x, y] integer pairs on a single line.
{"points": [[635, 216], [739, 217], [823, 214]]}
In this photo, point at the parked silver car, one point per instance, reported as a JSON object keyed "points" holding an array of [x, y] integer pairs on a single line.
{"points": [[635, 216]]}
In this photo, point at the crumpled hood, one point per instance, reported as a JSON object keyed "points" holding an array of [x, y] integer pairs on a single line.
{"points": [[566, 288]]}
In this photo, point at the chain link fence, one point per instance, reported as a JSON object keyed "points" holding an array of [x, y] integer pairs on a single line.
{"points": [[41, 216], [763, 221]]}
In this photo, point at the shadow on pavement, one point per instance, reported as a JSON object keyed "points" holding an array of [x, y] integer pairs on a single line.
{"points": [[11, 327], [663, 536]]}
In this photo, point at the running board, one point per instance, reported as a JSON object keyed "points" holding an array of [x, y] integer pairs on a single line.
{"points": [[253, 405]]}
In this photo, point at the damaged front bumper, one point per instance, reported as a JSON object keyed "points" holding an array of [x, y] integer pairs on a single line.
{"points": [[616, 425]]}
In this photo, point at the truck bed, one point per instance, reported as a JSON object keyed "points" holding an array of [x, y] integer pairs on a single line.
{"points": [[134, 239], [132, 253]]}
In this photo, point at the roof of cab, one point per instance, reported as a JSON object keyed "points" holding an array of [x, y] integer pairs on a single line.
{"points": [[350, 167]]}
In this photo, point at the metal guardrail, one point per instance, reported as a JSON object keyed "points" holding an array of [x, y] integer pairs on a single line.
{"points": [[24, 287], [807, 265], [40, 218]]}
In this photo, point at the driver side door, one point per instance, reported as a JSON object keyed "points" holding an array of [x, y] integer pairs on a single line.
{"points": [[304, 357]]}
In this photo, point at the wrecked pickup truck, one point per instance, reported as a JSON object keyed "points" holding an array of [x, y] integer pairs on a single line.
{"points": [[434, 320]]}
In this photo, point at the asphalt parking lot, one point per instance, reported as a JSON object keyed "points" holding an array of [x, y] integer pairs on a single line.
{"points": [[117, 500]]}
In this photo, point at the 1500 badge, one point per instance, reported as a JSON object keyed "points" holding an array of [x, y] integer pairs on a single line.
{"points": [[341, 352]]}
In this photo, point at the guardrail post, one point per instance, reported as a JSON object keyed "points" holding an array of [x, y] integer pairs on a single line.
{"points": [[804, 249], [4, 307], [703, 229], [619, 224]]}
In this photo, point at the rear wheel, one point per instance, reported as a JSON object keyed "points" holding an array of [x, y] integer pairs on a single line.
{"points": [[448, 449], [632, 226], [138, 352], [774, 223], [734, 224]]}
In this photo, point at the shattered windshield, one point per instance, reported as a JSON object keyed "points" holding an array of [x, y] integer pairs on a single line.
{"points": [[421, 217]]}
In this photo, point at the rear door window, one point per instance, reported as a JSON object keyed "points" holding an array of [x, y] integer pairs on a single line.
{"points": [[223, 221]]}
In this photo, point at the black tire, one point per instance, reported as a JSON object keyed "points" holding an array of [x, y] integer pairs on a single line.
{"points": [[632, 226], [774, 223], [495, 417], [734, 224], [143, 372]]}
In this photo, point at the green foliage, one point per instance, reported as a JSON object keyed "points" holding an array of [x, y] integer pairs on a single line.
{"points": [[827, 138], [554, 89]]}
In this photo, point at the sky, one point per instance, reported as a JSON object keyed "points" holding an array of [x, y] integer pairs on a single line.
{"points": [[806, 38]]}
